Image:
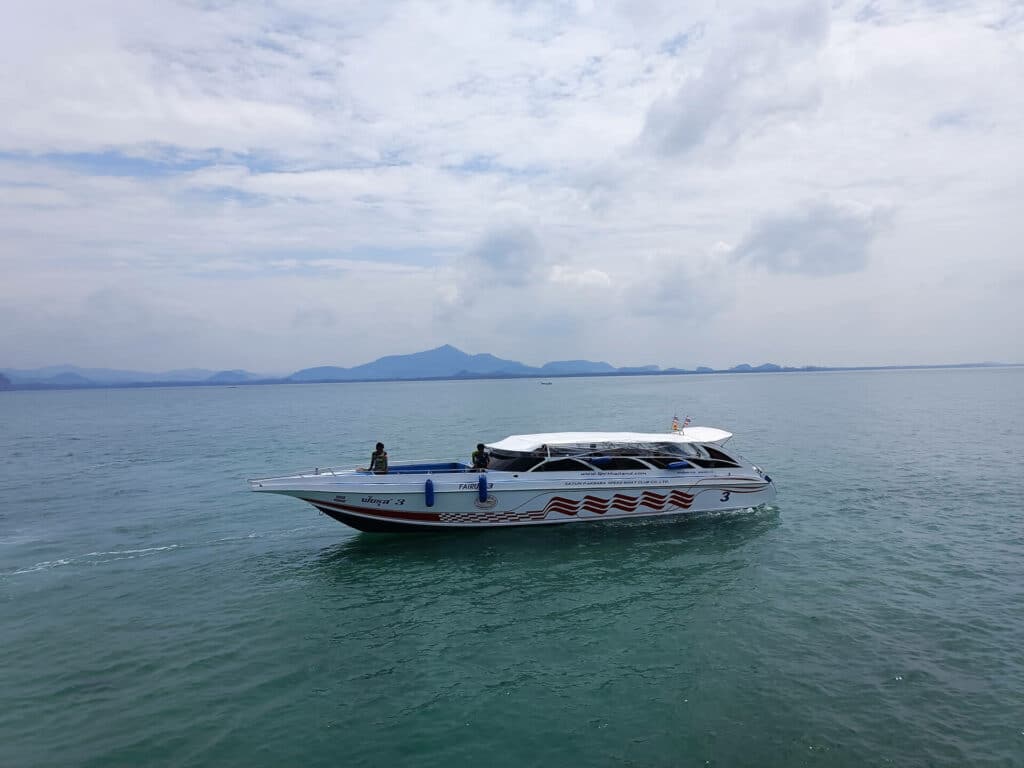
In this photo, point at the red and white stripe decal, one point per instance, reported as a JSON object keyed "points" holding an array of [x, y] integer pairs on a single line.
{"points": [[619, 503], [656, 502]]}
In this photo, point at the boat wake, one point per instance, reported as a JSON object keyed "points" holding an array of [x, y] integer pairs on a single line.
{"points": [[90, 559], [94, 558]]}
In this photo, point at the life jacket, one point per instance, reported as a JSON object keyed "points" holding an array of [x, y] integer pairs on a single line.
{"points": [[480, 459], [379, 462]]}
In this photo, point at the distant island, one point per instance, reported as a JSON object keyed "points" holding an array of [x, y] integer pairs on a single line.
{"points": [[442, 363]]}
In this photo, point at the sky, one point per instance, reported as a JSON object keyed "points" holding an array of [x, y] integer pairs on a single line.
{"points": [[277, 184]]}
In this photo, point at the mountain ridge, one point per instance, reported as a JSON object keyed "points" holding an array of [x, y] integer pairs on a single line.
{"points": [[443, 362]]}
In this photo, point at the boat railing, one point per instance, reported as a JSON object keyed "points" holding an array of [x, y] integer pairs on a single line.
{"points": [[428, 467], [405, 468]]}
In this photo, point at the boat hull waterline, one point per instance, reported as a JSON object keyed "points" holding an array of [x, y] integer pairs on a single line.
{"points": [[457, 504]]}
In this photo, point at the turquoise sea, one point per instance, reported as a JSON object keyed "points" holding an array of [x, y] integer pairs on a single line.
{"points": [[154, 612]]}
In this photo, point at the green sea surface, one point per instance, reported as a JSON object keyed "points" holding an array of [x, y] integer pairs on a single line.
{"points": [[154, 612]]}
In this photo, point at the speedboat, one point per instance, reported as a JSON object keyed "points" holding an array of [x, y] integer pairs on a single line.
{"points": [[543, 479]]}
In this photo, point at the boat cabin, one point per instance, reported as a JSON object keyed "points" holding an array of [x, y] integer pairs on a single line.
{"points": [[590, 452]]}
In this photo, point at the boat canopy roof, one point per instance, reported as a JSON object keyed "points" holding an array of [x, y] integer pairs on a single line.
{"points": [[593, 440]]}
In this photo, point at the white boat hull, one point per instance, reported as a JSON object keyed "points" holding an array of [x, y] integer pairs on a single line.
{"points": [[392, 503]]}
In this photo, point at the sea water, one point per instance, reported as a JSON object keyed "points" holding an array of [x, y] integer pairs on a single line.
{"points": [[155, 612]]}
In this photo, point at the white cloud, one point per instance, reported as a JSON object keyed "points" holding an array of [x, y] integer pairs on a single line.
{"points": [[580, 278], [537, 181], [818, 239], [761, 70]]}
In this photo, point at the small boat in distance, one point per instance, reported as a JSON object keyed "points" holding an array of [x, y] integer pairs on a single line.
{"points": [[546, 383], [542, 479]]}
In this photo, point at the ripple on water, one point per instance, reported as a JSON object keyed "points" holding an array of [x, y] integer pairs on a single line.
{"points": [[157, 613]]}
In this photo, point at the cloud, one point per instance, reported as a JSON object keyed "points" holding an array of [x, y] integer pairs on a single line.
{"points": [[509, 253], [819, 240], [507, 260], [952, 118], [314, 318], [580, 278], [761, 70], [678, 287], [541, 181]]}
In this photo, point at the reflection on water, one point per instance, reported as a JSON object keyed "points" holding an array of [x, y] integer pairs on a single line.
{"points": [[621, 541]]}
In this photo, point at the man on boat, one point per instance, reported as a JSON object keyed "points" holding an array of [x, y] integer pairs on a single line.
{"points": [[481, 458], [379, 460]]}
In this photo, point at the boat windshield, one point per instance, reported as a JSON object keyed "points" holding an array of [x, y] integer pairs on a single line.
{"points": [[514, 462]]}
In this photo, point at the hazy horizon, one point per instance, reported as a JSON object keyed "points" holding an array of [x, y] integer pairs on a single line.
{"points": [[286, 185], [663, 367]]}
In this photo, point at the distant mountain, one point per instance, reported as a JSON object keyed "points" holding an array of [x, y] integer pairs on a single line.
{"points": [[232, 377], [69, 380], [746, 368], [569, 367], [449, 362], [444, 361], [185, 374], [641, 369], [103, 376], [320, 373]]}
